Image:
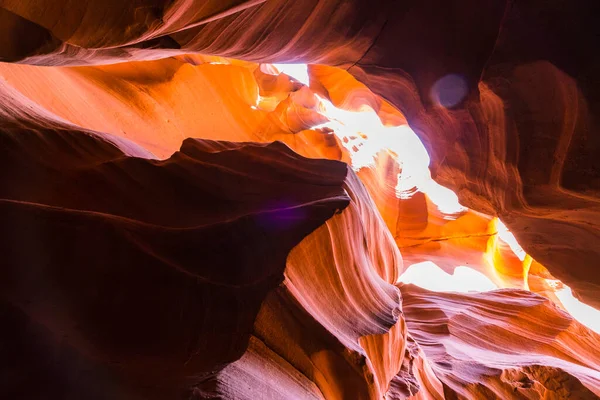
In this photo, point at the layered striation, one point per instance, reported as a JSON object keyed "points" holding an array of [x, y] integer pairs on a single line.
{"points": [[335, 321], [503, 344], [182, 220]]}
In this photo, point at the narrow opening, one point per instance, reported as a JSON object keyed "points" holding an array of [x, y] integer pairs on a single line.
{"points": [[364, 135]]}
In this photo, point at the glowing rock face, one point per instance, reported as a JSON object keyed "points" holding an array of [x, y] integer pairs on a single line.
{"points": [[157, 244], [340, 279]]}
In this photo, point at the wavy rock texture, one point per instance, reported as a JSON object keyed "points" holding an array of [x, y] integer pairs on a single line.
{"points": [[503, 344], [157, 244], [336, 320], [519, 141], [477, 149]]}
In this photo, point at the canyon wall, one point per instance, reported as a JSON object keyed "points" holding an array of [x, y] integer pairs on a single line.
{"points": [[181, 221]]}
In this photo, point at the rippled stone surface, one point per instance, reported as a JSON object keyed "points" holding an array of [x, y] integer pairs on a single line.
{"points": [[179, 219]]}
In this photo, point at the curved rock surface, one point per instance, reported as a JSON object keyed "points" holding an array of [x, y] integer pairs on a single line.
{"points": [[336, 320], [503, 344], [172, 226], [417, 56], [118, 275]]}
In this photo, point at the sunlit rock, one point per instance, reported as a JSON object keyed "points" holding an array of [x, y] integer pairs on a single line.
{"points": [[293, 199]]}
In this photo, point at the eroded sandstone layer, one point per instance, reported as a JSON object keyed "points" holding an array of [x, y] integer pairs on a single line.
{"points": [[183, 217]]}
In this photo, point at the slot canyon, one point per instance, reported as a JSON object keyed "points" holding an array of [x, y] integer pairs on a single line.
{"points": [[299, 199]]}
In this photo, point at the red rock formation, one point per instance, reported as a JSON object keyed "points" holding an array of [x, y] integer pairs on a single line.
{"points": [[156, 242], [119, 271], [503, 344]]}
